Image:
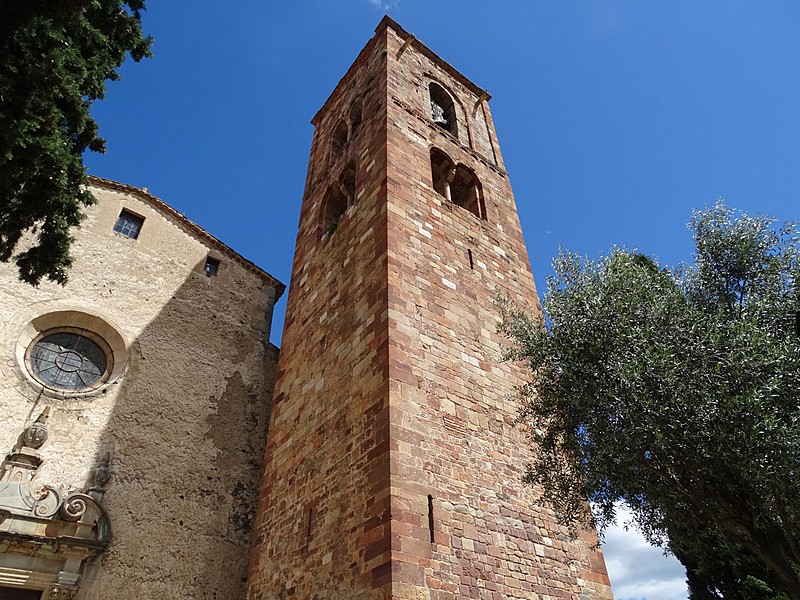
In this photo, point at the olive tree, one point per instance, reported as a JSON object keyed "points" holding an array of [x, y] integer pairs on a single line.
{"points": [[677, 392]]}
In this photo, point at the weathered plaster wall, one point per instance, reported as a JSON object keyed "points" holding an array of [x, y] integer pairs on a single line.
{"points": [[186, 421]]}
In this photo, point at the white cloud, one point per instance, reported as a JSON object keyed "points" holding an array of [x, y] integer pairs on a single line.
{"points": [[384, 4], [637, 570]]}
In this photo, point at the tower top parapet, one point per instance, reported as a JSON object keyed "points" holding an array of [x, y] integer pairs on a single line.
{"points": [[386, 23]]}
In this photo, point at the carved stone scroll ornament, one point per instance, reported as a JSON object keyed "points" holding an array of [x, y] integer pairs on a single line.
{"points": [[74, 507]]}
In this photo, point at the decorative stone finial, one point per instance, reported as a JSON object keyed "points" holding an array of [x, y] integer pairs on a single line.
{"points": [[35, 434], [102, 473]]}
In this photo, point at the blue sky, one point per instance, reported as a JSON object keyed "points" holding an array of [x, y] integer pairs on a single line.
{"points": [[615, 120]]}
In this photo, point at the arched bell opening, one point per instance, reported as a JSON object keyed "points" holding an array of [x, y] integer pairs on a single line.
{"points": [[334, 206], [443, 109]]}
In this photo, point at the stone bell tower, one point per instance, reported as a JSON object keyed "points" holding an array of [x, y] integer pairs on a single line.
{"points": [[393, 465]]}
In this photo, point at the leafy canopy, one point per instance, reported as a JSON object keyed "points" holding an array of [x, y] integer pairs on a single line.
{"points": [[676, 392], [56, 58]]}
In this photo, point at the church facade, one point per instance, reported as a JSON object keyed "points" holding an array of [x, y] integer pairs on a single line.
{"points": [[133, 411], [158, 447]]}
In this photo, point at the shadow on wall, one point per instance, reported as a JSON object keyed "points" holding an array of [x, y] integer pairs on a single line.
{"points": [[186, 437]]}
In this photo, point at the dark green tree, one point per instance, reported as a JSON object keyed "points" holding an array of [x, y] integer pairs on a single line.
{"points": [[676, 392], [719, 571], [55, 58]]}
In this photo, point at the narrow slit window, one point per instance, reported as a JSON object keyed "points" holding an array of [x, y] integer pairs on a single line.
{"points": [[129, 224], [211, 267], [471, 263], [309, 523], [430, 517]]}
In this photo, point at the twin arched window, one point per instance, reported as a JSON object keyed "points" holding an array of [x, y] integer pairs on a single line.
{"points": [[457, 183], [341, 193], [346, 129]]}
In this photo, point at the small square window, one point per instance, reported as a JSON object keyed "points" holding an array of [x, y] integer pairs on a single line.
{"points": [[211, 267], [129, 224]]}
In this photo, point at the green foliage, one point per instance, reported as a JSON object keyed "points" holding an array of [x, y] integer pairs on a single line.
{"points": [[676, 392], [721, 571], [56, 58], [332, 227]]}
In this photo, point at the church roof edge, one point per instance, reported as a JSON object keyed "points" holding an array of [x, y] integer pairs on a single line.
{"points": [[161, 206]]}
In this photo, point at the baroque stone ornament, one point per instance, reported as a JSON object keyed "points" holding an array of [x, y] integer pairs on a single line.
{"points": [[102, 473], [74, 507], [35, 434], [46, 526], [62, 593]]}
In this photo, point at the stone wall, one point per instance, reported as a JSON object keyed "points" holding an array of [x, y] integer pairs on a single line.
{"points": [[184, 413]]}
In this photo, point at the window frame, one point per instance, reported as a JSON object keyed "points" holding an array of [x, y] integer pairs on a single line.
{"points": [[125, 218], [211, 266], [98, 340], [446, 176]]}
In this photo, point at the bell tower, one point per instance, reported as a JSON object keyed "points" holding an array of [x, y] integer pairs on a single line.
{"points": [[393, 465]]}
